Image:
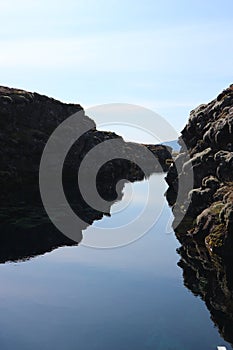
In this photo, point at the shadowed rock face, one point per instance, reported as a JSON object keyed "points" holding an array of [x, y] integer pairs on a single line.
{"points": [[26, 122], [206, 232]]}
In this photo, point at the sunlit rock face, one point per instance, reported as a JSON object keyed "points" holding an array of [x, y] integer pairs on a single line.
{"points": [[208, 152], [206, 231]]}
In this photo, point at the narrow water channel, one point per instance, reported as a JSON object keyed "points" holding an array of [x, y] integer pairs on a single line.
{"points": [[128, 297]]}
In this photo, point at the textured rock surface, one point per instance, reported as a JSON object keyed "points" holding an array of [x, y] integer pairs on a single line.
{"points": [[26, 122], [206, 231], [208, 138]]}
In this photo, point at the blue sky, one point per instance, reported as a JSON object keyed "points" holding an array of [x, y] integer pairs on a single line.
{"points": [[166, 55]]}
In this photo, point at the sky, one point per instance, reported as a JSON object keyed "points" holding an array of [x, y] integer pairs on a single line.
{"points": [[168, 56]]}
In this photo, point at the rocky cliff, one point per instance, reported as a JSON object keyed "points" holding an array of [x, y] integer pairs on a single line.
{"points": [[207, 151], [206, 229], [26, 122]]}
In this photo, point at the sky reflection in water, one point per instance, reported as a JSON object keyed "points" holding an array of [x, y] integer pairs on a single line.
{"points": [[95, 299]]}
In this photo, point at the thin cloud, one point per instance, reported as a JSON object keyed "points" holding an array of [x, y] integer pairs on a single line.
{"points": [[148, 51]]}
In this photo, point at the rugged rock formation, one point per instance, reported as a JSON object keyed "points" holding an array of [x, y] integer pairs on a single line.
{"points": [[208, 137], [206, 230], [26, 123], [26, 120]]}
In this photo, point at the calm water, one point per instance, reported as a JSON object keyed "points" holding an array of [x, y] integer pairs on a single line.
{"points": [[131, 297]]}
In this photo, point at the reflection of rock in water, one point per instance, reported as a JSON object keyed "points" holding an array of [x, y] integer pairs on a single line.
{"points": [[27, 121], [26, 230], [206, 230], [212, 279]]}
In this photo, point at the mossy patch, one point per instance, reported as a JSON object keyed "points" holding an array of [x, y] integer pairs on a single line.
{"points": [[216, 208], [215, 240]]}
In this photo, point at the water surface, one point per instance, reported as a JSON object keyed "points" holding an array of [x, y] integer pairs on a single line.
{"points": [[131, 297]]}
